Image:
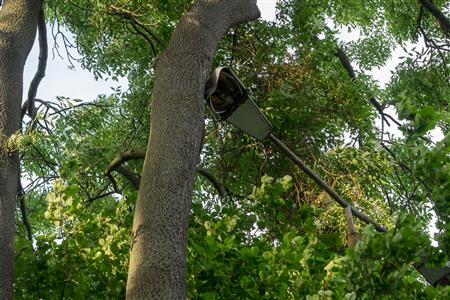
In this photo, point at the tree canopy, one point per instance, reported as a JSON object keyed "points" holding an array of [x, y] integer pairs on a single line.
{"points": [[259, 227]]}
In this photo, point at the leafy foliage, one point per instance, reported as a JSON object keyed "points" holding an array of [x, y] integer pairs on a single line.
{"points": [[275, 235]]}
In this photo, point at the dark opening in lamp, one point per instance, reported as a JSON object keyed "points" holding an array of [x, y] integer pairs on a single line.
{"points": [[229, 100]]}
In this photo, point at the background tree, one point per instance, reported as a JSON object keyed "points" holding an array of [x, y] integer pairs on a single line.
{"points": [[18, 23]]}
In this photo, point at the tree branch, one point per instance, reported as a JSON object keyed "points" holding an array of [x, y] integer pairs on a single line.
{"points": [[139, 32], [219, 187], [440, 17], [42, 65], [130, 176], [116, 165], [345, 62], [124, 157], [406, 168], [23, 209]]}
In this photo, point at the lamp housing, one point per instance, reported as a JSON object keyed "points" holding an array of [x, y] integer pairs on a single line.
{"points": [[228, 98]]}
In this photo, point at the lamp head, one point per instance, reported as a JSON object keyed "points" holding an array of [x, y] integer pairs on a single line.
{"points": [[224, 92], [229, 100]]}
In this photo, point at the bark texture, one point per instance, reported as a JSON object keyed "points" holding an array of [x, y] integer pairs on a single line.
{"points": [[18, 21], [160, 228]]}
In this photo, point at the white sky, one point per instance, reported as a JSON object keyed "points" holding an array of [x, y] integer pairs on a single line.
{"points": [[78, 83]]}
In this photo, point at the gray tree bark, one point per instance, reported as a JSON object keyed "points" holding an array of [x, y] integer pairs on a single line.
{"points": [[159, 240], [18, 21]]}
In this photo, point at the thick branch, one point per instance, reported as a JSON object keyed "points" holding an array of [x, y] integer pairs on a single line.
{"points": [[124, 157], [345, 62], [116, 165], [219, 187], [42, 65], [130, 176], [444, 22]]}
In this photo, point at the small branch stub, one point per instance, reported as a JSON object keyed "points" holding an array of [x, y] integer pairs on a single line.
{"points": [[352, 236]]}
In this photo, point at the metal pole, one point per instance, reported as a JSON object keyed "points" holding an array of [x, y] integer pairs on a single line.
{"points": [[324, 185]]}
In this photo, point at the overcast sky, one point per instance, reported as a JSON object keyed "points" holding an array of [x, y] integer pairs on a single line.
{"points": [[78, 83]]}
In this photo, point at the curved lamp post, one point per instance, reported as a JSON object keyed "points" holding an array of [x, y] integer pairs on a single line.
{"points": [[228, 98]]}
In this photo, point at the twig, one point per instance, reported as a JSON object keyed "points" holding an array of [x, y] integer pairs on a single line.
{"points": [[149, 32], [100, 195], [405, 167], [132, 17], [67, 44]]}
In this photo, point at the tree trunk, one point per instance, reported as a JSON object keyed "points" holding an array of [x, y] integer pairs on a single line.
{"points": [[18, 21], [159, 240]]}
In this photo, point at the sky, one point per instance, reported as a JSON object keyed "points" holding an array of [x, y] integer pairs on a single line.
{"points": [[77, 83], [60, 80]]}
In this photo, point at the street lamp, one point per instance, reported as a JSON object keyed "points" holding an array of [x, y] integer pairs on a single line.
{"points": [[228, 98]]}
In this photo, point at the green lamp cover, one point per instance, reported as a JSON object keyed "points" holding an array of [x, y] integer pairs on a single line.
{"points": [[228, 98], [248, 118]]}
